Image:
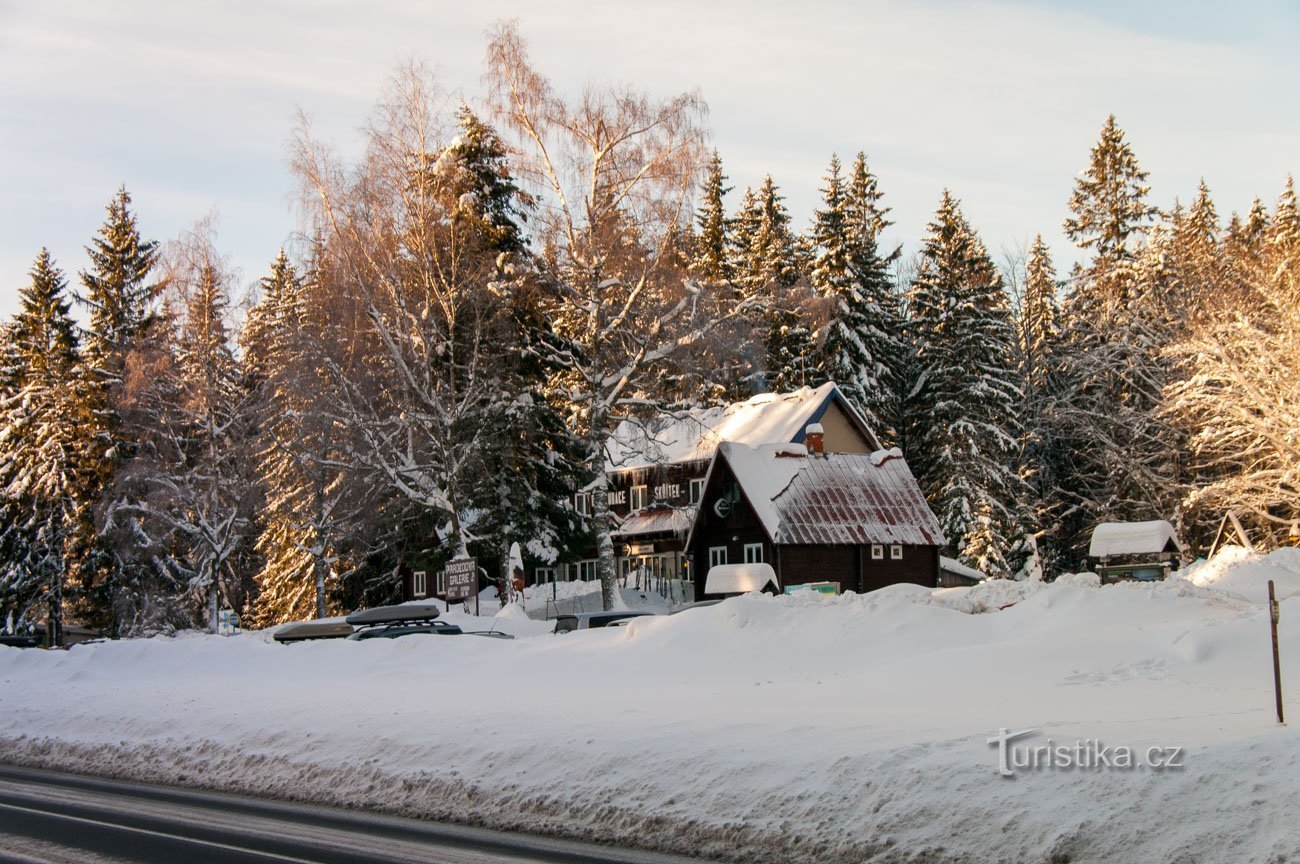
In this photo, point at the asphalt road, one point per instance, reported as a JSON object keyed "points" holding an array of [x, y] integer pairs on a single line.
{"points": [[55, 818]]}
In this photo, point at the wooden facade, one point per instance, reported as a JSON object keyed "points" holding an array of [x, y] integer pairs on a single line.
{"points": [[734, 532]]}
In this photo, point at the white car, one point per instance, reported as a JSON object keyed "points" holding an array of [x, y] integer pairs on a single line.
{"points": [[590, 620]]}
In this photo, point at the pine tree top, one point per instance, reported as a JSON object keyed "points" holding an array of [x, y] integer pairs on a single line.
{"points": [[1109, 200], [712, 244], [118, 292], [43, 334]]}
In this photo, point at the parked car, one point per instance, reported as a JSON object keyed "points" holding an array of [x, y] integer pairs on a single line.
{"points": [[407, 628], [591, 620]]}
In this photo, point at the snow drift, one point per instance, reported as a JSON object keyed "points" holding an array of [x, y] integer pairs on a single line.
{"points": [[799, 728]]}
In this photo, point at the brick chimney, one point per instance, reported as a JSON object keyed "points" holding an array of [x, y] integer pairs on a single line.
{"points": [[812, 437]]}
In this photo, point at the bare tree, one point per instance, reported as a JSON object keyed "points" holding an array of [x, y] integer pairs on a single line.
{"points": [[417, 280], [613, 171]]}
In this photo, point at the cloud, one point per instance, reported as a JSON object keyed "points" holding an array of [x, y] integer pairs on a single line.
{"points": [[999, 101]]}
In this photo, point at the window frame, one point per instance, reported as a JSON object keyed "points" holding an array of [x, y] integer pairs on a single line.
{"points": [[440, 584], [749, 547], [697, 490], [419, 584], [638, 498], [716, 553], [877, 552], [895, 552]]}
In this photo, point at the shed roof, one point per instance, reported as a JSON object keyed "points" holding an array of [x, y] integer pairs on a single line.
{"points": [[1133, 538], [955, 567], [836, 499], [695, 435], [738, 578]]}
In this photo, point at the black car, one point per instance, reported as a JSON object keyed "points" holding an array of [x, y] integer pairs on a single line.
{"points": [[407, 628]]}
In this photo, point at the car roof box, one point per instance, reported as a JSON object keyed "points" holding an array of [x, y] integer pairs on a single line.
{"points": [[394, 614], [300, 631]]}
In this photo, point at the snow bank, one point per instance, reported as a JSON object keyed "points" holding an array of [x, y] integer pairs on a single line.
{"points": [[806, 728], [1246, 574], [991, 595]]}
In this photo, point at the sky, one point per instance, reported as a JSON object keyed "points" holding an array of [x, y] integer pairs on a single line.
{"points": [[192, 105]]}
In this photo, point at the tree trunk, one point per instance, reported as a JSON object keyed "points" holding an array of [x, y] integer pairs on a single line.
{"points": [[601, 517], [319, 568]]}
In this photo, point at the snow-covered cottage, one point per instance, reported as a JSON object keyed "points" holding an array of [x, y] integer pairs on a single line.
{"points": [[857, 519], [1135, 550], [656, 470]]}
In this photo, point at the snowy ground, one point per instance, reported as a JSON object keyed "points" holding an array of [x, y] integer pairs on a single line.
{"points": [[804, 728]]}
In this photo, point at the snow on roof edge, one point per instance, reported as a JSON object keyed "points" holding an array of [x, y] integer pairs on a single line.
{"points": [[1132, 538]]}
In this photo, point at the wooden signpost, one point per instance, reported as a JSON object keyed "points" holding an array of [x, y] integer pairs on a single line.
{"points": [[462, 580]]}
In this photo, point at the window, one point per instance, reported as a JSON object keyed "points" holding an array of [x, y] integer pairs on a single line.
{"points": [[717, 555], [544, 574], [896, 552], [877, 552], [753, 553], [586, 570], [442, 583], [697, 490], [419, 584], [582, 503], [640, 498]]}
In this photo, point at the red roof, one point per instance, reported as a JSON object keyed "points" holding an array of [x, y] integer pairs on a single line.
{"points": [[853, 498]]}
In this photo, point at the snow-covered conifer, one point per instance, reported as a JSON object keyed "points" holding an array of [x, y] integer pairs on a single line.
{"points": [[965, 396]]}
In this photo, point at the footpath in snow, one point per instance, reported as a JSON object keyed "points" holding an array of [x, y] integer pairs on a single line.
{"points": [[803, 728]]}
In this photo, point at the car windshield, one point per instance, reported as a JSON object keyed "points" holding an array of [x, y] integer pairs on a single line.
{"points": [[566, 624]]}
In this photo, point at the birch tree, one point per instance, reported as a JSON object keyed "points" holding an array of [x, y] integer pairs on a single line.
{"points": [[420, 252], [614, 171]]}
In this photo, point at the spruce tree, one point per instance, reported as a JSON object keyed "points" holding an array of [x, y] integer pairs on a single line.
{"points": [[43, 423], [771, 269], [122, 301], [1115, 323], [966, 397], [712, 259], [118, 292], [1041, 457], [299, 469], [1110, 215], [863, 346], [1039, 317]]}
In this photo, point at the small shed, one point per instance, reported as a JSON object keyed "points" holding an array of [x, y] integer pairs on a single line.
{"points": [[954, 574], [1145, 551]]}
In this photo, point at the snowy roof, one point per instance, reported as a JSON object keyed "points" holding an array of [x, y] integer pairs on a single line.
{"points": [[738, 578], [1133, 538], [840, 498], [657, 521], [693, 436], [952, 565]]}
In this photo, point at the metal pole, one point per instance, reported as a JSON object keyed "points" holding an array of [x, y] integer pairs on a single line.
{"points": [[1273, 614]]}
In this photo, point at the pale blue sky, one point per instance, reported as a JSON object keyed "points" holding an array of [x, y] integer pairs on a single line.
{"points": [[190, 105]]}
